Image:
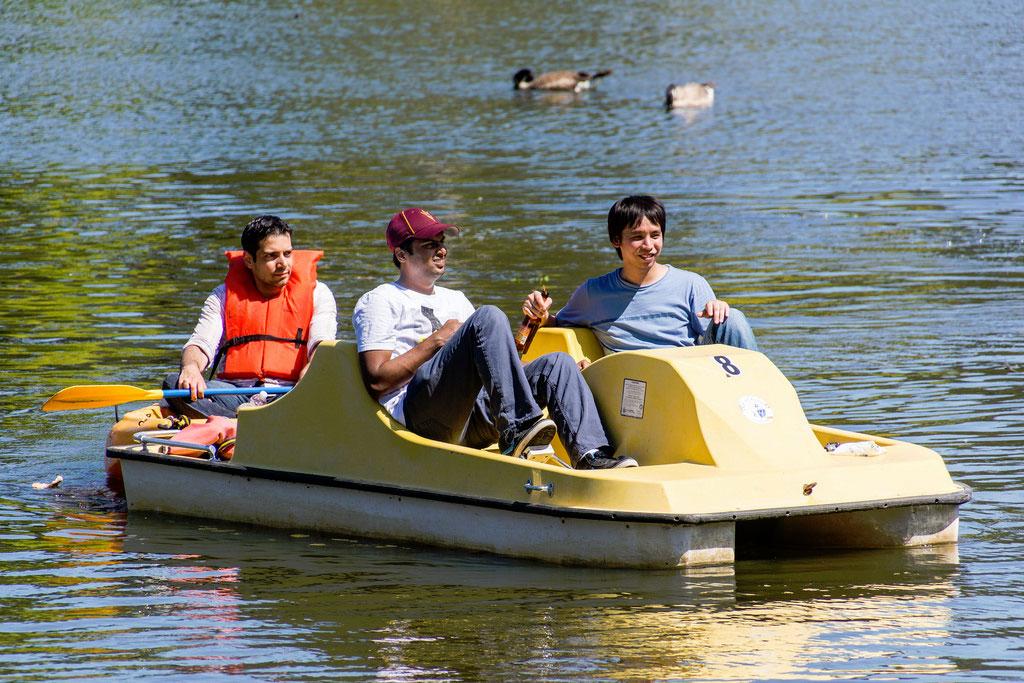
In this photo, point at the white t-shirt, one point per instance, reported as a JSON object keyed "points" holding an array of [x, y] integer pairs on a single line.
{"points": [[209, 330], [395, 318]]}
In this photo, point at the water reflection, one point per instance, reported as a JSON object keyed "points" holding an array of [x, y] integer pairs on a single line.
{"points": [[689, 116], [562, 98], [233, 599], [425, 614]]}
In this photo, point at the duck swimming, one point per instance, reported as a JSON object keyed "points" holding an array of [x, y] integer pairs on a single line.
{"points": [[690, 95], [575, 81]]}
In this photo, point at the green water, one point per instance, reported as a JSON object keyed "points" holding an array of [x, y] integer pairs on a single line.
{"points": [[858, 189]]}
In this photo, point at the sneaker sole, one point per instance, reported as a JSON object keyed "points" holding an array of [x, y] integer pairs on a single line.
{"points": [[540, 434], [618, 462]]}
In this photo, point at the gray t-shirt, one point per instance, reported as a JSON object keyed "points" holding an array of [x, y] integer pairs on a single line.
{"points": [[625, 317]]}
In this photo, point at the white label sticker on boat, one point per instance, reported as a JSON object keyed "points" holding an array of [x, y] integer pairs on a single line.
{"points": [[634, 393], [756, 410]]}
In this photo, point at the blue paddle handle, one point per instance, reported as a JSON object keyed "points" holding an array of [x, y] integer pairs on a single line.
{"points": [[218, 391]]}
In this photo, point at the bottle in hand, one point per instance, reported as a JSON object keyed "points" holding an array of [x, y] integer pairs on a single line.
{"points": [[527, 329]]}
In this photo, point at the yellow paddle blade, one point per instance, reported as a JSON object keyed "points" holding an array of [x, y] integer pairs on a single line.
{"points": [[98, 396]]}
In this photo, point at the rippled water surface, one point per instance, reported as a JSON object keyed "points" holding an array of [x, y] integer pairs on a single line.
{"points": [[858, 189]]}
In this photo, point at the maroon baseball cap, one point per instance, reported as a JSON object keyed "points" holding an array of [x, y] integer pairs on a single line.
{"points": [[416, 223]]}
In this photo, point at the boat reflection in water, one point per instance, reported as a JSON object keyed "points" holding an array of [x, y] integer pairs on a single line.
{"points": [[259, 596]]}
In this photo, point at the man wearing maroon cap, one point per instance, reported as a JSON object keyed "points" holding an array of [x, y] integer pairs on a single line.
{"points": [[451, 373]]}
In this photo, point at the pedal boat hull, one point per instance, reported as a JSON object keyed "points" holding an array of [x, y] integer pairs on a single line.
{"points": [[326, 458]]}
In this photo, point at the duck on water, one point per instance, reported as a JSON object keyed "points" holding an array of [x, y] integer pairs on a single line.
{"points": [[690, 96], [574, 81]]}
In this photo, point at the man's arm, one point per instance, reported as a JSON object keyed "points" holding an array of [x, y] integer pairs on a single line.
{"points": [[704, 304], [382, 374], [193, 362], [324, 323], [537, 306], [202, 345]]}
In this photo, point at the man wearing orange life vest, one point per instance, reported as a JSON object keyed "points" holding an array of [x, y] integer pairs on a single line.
{"points": [[261, 326]]}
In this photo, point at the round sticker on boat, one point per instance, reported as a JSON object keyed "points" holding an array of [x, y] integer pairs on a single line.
{"points": [[756, 410]]}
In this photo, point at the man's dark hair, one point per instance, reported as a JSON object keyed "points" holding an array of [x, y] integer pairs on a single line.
{"points": [[260, 228], [628, 212], [405, 246]]}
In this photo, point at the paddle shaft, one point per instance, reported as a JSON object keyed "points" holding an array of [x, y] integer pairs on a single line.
{"points": [[225, 391], [98, 396]]}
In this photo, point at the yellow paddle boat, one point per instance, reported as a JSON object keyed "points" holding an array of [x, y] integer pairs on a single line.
{"points": [[724, 448]]}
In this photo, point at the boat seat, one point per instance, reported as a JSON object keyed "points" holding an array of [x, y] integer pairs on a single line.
{"points": [[336, 364], [578, 342], [361, 402]]}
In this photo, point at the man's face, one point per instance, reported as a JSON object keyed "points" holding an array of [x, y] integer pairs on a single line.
{"points": [[640, 244], [272, 266], [428, 257]]}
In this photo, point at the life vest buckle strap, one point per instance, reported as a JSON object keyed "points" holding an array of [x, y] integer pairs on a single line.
{"points": [[298, 340]]}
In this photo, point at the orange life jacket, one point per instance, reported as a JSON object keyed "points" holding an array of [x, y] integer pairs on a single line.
{"points": [[266, 338]]}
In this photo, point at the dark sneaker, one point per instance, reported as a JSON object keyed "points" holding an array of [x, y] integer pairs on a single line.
{"points": [[538, 435], [599, 460]]}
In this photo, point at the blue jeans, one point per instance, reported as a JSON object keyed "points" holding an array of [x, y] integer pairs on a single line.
{"points": [[476, 391], [733, 331], [226, 405]]}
